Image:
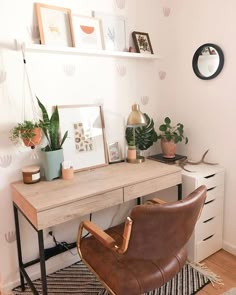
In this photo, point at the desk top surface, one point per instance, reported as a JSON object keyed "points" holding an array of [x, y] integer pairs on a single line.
{"points": [[48, 194]]}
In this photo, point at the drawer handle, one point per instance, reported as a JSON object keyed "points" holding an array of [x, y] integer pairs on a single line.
{"points": [[208, 237], [210, 189], [208, 220], [209, 176], [206, 203]]}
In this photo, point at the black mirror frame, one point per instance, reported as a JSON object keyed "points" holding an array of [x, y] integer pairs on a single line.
{"points": [[195, 60]]}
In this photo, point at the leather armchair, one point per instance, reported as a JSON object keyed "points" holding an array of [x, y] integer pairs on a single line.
{"points": [[147, 250]]}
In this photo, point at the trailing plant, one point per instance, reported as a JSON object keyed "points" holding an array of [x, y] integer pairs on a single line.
{"points": [[24, 131], [145, 136], [50, 127], [175, 133]]}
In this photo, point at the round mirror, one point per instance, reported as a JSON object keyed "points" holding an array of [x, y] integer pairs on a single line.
{"points": [[208, 61]]}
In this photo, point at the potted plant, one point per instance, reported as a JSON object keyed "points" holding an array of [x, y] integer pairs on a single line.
{"points": [[141, 138], [52, 153], [170, 136], [28, 131]]}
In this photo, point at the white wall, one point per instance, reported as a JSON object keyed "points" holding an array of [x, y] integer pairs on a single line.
{"points": [[91, 80], [207, 108]]}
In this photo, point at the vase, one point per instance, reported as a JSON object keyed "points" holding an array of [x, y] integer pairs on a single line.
{"points": [[168, 148], [35, 140], [51, 163]]}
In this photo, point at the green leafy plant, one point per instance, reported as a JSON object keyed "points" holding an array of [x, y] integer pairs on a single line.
{"points": [[50, 127], [175, 133], [145, 136], [24, 131]]}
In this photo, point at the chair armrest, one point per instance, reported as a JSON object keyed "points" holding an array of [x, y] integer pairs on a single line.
{"points": [[156, 201], [104, 238]]}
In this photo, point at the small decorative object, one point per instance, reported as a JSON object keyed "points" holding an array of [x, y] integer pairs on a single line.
{"points": [[31, 174], [131, 49], [54, 25], [114, 153], [142, 42], [86, 145], [67, 170], [131, 153], [170, 136], [52, 154], [28, 131], [114, 31], [86, 32]]}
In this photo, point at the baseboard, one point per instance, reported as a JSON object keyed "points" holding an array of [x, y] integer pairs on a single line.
{"points": [[53, 264], [229, 248]]}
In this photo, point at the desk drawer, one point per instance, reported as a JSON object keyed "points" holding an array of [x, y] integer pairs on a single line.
{"points": [[213, 205], [79, 208], [209, 227], [211, 180], [150, 186], [209, 245]]}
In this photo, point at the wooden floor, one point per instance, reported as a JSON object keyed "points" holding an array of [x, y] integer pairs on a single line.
{"points": [[224, 265]]}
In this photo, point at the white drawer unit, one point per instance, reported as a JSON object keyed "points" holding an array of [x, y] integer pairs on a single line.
{"points": [[208, 234]]}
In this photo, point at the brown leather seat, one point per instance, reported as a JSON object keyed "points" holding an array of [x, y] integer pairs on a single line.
{"points": [[133, 261]]}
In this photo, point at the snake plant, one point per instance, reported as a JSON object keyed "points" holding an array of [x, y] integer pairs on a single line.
{"points": [[50, 127], [145, 136]]}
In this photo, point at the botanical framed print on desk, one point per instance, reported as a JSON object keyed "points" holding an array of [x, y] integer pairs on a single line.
{"points": [[85, 146], [54, 25]]}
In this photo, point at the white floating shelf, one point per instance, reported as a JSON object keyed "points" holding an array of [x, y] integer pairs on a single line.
{"points": [[101, 53]]}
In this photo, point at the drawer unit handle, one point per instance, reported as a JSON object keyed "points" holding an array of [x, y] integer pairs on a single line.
{"points": [[210, 189], [208, 237], [208, 220], [209, 202], [209, 176]]}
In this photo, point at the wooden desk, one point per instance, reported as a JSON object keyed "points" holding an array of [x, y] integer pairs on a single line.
{"points": [[45, 204]]}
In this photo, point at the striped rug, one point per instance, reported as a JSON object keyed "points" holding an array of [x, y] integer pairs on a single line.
{"points": [[78, 280]]}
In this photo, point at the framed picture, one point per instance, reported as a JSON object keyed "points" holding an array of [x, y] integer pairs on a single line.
{"points": [[85, 146], [86, 32], [114, 153], [142, 42], [114, 31], [54, 25]]}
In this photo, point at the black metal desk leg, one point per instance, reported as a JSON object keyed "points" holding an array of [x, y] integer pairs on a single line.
{"points": [[180, 191], [18, 242], [42, 262]]}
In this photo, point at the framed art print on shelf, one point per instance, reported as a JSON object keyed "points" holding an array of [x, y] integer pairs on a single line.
{"points": [[114, 153], [142, 42], [114, 31], [54, 25], [85, 146], [86, 32]]}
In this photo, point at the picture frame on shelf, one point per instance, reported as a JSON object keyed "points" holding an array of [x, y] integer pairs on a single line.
{"points": [[114, 152], [142, 42], [85, 145], [86, 32], [114, 31], [54, 25]]}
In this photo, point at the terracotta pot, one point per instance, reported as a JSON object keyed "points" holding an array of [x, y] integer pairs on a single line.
{"points": [[168, 148], [34, 140]]}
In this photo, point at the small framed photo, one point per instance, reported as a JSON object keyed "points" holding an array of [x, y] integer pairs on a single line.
{"points": [[114, 31], [142, 42], [114, 154], [54, 25], [86, 32]]}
